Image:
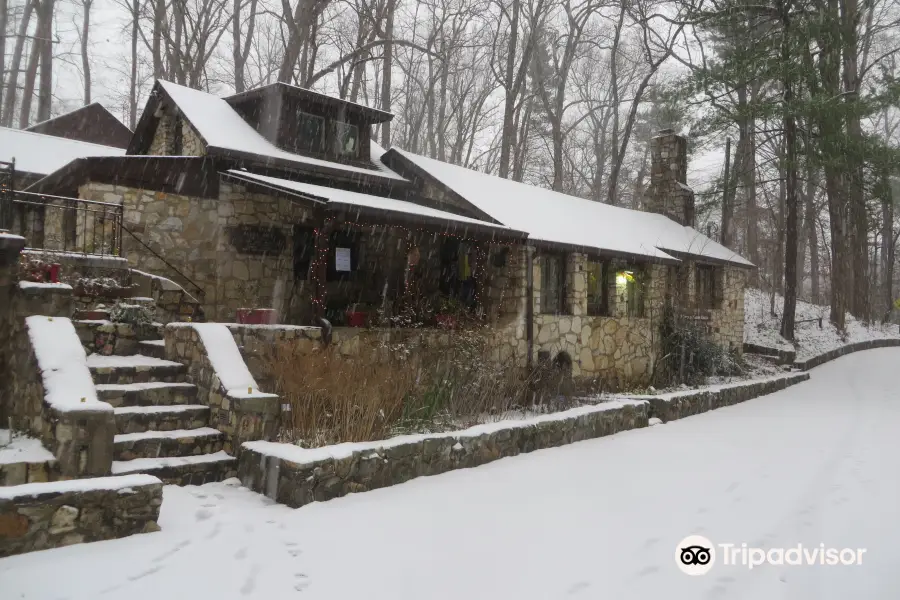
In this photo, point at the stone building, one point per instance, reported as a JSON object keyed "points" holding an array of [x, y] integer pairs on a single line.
{"points": [[277, 198]]}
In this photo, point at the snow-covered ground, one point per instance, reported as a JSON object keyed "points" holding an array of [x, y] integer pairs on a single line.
{"points": [[761, 328], [813, 464]]}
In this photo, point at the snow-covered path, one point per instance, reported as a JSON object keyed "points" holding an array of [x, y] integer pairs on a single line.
{"points": [[817, 463]]}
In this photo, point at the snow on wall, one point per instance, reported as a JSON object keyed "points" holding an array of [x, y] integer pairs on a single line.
{"points": [[121, 483], [225, 358], [68, 385]]}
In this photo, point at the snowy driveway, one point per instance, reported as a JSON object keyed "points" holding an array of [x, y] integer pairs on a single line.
{"points": [[817, 463]]}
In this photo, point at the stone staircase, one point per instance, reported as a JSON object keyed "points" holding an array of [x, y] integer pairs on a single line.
{"points": [[161, 430]]}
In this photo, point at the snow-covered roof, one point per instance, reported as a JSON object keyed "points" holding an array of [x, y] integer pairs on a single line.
{"points": [[223, 128], [562, 219], [43, 154], [334, 196]]}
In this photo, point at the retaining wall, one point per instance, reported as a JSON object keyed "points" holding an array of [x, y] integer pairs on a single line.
{"points": [[815, 361], [40, 516]]}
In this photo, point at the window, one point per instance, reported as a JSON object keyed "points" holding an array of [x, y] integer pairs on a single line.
{"points": [[553, 273], [630, 291], [307, 133], [707, 287], [598, 288], [304, 248], [346, 139]]}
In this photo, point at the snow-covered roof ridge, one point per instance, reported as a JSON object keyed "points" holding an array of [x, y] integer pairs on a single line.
{"points": [[43, 154], [222, 128], [554, 217], [68, 385]]}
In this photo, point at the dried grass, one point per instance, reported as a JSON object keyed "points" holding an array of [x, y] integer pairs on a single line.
{"points": [[391, 388]]}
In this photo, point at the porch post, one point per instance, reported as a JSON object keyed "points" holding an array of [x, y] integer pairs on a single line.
{"points": [[529, 304], [320, 265]]}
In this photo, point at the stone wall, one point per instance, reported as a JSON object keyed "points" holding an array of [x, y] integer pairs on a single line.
{"points": [[823, 358], [164, 137], [192, 234], [256, 343], [296, 477], [668, 193], [51, 515], [239, 416], [678, 405]]}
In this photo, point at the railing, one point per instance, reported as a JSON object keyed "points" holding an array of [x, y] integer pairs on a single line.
{"points": [[62, 224], [197, 289]]}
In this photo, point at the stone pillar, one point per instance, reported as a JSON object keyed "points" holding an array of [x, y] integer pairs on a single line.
{"points": [[668, 193], [10, 246]]}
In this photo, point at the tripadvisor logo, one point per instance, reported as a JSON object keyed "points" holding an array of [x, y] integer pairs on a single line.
{"points": [[696, 555]]}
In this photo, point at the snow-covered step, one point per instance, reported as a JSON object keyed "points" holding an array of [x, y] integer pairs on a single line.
{"points": [[133, 369], [177, 442], [154, 348], [135, 419], [185, 470], [150, 393]]}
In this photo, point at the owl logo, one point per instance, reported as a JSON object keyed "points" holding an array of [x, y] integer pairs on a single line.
{"points": [[695, 555]]}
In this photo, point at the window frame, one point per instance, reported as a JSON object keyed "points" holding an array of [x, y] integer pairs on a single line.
{"points": [[601, 309], [636, 303], [561, 304], [337, 147], [711, 298]]}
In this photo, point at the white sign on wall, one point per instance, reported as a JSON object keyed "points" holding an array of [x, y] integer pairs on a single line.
{"points": [[342, 259]]}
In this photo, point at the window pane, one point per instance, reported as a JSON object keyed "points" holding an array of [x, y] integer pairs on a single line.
{"points": [[630, 291], [308, 132], [346, 138], [596, 289], [551, 288]]}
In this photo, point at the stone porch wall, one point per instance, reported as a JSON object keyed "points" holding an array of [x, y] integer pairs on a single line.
{"points": [[191, 234], [240, 417], [51, 515]]}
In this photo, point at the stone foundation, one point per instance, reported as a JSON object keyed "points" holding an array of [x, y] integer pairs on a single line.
{"points": [[51, 515]]}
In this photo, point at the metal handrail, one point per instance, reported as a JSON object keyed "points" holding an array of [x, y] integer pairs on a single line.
{"points": [[167, 263], [79, 200]]}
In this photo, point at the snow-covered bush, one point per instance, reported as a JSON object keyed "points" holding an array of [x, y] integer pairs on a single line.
{"points": [[138, 315], [689, 354]]}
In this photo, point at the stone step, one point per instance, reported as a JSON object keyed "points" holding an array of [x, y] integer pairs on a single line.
{"points": [[151, 393], [154, 348], [184, 470], [134, 369], [158, 444], [136, 419]]}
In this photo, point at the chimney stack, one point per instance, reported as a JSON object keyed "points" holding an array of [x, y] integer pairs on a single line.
{"points": [[668, 193]]}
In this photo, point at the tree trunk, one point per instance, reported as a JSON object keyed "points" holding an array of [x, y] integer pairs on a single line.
{"points": [[812, 237], [31, 72], [236, 53], [45, 89], [724, 232], [386, 67], [790, 142], [859, 230], [508, 134], [159, 19], [887, 246], [3, 19], [133, 84], [15, 64], [85, 62]]}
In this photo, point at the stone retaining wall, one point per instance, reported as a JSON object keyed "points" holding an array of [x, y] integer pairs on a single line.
{"points": [[815, 361], [50, 515], [240, 417], [785, 357], [295, 476], [678, 405], [19, 473]]}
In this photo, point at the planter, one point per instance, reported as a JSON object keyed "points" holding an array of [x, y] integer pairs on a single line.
{"points": [[357, 318], [446, 321], [257, 316]]}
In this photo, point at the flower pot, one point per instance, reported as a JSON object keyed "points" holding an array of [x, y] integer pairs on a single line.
{"points": [[256, 316], [357, 318], [445, 321]]}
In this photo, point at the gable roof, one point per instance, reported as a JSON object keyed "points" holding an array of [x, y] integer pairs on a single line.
{"points": [[225, 133], [41, 154], [92, 123], [557, 218]]}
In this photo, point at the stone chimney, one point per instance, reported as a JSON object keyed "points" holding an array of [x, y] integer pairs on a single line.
{"points": [[668, 193]]}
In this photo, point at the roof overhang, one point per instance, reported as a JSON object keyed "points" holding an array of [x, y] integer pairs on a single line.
{"points": [[686, 256]]}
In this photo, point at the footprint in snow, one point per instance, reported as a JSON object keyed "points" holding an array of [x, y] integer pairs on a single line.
{"points": [[179, 546], [250, 582], [241, 554], [578, 588], [203, 514]]}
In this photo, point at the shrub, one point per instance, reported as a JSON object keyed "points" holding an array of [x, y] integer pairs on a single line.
{"points": [[690, 355], [138, 315], [434, 380]]}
